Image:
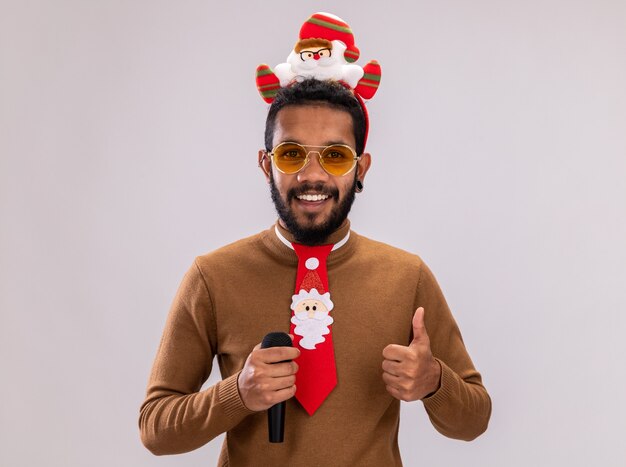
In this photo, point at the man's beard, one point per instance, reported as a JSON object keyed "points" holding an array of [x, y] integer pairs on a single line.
{"points": [[315, 234]]}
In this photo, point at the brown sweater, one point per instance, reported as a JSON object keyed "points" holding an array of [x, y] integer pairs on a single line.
{"points": [[230, 298]]}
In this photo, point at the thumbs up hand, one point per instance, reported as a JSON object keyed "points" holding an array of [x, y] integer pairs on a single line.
{"points": [[411, 373]]}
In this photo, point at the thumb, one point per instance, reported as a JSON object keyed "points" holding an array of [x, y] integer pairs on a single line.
{"points": [[419, 330]]}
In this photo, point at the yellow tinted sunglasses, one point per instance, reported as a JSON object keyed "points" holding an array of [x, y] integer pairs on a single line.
{"points": [[336, 159]]}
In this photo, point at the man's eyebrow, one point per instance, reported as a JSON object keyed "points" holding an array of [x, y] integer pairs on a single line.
{"points": [[288, 139], [331, 143], [326, 143]]}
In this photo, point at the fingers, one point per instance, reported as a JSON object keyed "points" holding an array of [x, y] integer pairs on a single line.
{"points": [[399, 387], [277, 354], [412, 389], [390, 380], [268, 377], [277, 384], [266, 396], [284, 394], [394, 372], [402, 388], [278, 370], [394, 368], [275, 362], [396, 352]]}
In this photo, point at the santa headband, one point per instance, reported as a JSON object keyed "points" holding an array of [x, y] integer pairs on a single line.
{"points": [[325, 51]]}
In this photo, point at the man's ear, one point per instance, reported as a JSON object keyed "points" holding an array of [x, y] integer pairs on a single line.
{"points": [[264, 164], [363, 166]]}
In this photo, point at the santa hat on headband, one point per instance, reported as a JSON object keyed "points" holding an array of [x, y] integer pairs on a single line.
{"points": [[331, 27]]}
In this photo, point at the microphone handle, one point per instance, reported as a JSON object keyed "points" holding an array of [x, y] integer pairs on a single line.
{"points": [[276, 422], [276, 413]]}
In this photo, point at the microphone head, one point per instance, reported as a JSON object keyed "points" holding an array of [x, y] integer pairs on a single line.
{"points": [[276, 339]]}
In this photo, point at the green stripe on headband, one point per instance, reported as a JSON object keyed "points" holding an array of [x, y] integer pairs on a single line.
{"points": [[371, 77], [350, 56], [371, 85], [269, 86], [326, 24]]}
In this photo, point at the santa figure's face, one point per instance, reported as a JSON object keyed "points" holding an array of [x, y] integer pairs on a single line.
{"points": [[315, 54], [312, 58], [311, 309]]}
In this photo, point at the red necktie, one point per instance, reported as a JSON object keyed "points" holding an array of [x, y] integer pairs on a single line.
{"points": [[310, 326]]}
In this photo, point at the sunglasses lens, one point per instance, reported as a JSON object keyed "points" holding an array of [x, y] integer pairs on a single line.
{"points": [[289, 157], [338, 160]]}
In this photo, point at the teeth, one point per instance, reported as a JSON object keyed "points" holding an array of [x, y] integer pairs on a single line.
{"points": [[313, 197]]}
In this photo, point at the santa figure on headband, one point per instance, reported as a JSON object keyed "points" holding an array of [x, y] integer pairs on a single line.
{"points": [[325, 50]]}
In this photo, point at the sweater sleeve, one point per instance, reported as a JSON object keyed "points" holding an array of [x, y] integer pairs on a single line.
{"points": [[461, 407], [176, 416]]}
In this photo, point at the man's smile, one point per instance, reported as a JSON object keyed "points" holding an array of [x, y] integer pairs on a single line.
{"points": [[312, 203], [312, 197]]}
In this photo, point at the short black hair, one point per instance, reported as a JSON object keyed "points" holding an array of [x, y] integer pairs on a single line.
{"points": [[311, 91]]}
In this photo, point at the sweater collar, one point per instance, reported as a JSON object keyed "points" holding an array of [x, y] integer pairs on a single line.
{"points": [[278, 240], [288, 243]]}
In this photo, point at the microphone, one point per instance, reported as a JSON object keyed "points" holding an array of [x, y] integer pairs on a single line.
{"points": [[276, 413]]}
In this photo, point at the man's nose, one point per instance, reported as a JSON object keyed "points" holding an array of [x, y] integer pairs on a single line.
{"points": [[313, 172], [316, 56]]}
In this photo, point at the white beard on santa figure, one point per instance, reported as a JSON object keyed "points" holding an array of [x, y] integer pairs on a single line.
{"points": [[334, 67], [312, 329]]}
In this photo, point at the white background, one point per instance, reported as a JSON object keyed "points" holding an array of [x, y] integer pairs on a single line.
{"points": [[128, 140]]}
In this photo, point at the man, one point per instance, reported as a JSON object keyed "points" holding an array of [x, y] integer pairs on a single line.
{"points": [[391, 336]]}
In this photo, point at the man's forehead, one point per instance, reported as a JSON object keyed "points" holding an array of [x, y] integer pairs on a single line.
{"points": [[308, 107], [333, 125]]}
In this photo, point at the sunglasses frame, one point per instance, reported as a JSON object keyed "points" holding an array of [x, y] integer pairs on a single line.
{"points": [[319, 151]]}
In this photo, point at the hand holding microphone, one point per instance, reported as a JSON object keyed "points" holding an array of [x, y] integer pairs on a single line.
{"points": [[268, 376]]}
